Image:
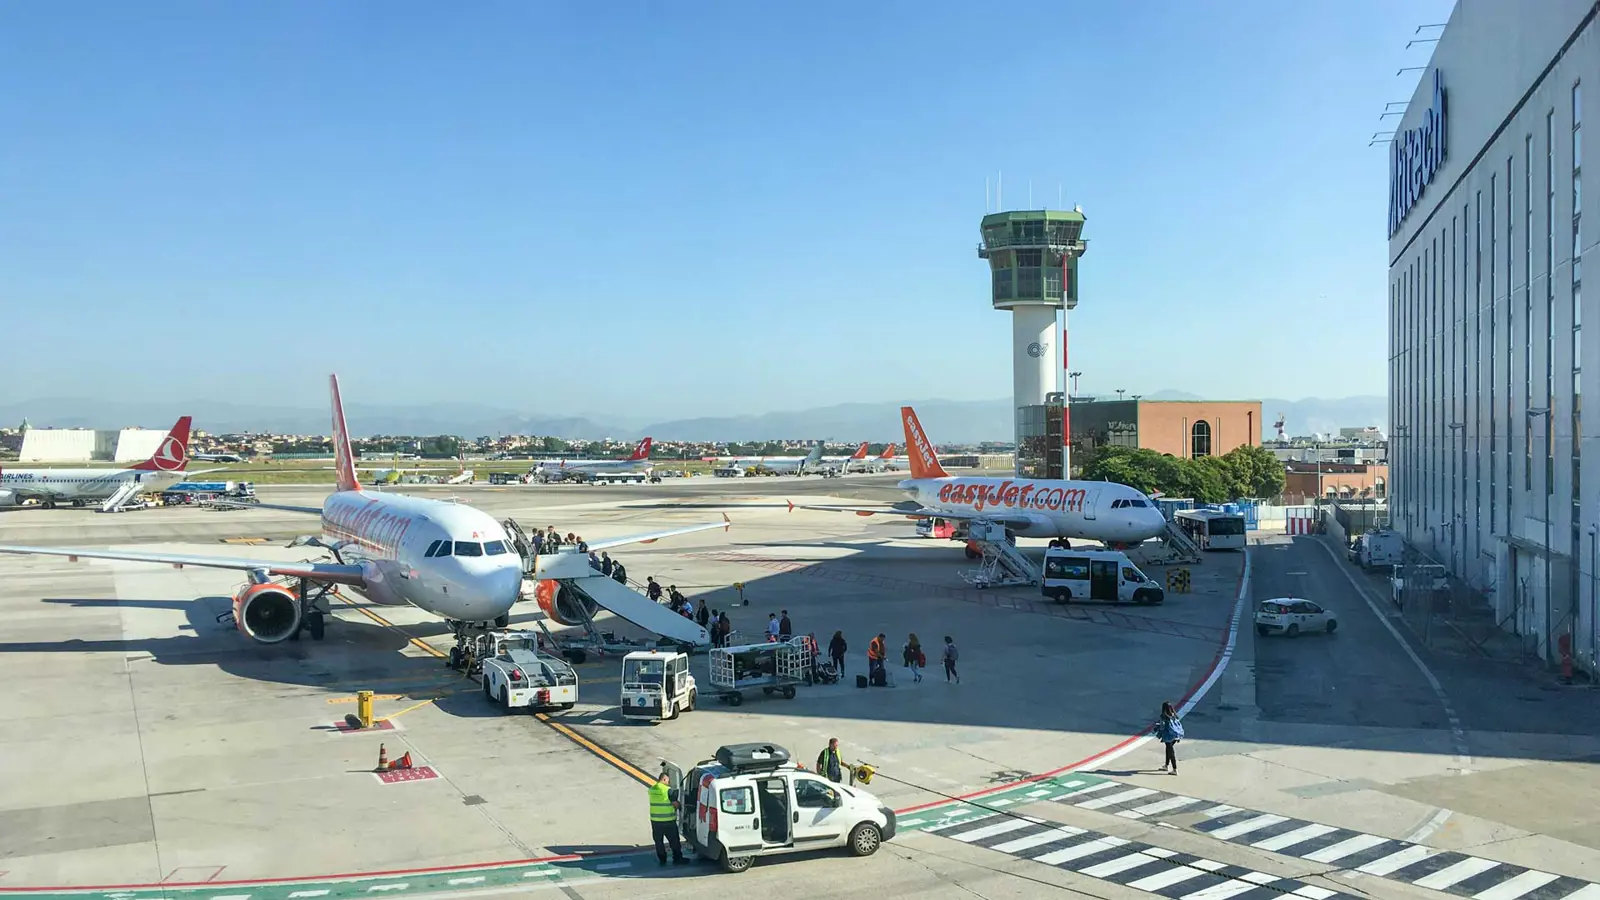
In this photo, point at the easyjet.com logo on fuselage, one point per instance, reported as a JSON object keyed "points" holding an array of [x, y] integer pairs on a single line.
{"points": [[1016, 496]]}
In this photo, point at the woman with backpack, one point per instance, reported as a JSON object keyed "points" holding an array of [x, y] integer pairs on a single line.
{"points": [[912, 656], [951, 654], [1169, 731]]}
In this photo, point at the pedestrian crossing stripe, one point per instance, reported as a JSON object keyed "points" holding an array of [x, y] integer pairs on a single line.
{"points": [[1104, 857], [1372, 855]]}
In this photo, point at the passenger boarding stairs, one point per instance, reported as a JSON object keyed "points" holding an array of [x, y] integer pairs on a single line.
{"points": [[574, 573], [123, 495], [1179, 548], [1003, 565]]}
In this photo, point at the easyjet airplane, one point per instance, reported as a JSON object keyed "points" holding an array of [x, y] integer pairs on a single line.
{"points": [[446, 558], [1028, 507], [162, 470], [883, 462], [565, 468]]}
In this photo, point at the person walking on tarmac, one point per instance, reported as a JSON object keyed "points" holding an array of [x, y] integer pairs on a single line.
{"points": [[785, 627], [913, 657], [1169, 731], [836, 651], [829, 765], [664, 820]]}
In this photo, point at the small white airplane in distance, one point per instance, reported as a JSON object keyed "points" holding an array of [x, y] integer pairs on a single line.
{"points": [[638, 462], [883, 462], [844, 463], [217, 457], [446, 558], [166, 467], [787, 465], [1028, 507]]}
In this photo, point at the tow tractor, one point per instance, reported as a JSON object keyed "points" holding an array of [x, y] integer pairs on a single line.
{"points": [[776, 667], [656, 685], [516, 675]]}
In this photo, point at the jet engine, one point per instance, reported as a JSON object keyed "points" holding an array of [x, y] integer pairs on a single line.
{"points": [[266, 613], [10, 498], [563, 604]]}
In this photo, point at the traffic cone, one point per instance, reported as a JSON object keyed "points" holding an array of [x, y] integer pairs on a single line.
{"points": [[383, 757], [404, 762]]}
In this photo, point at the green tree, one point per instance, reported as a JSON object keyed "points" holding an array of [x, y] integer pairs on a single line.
{"points": [[553, 445], [1259, 473]]}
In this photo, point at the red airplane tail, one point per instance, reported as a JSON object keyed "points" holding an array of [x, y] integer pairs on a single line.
{"points": [[888, 452], [173, 454], [924, 462], [641, 452], [344, 461], [861, 451]]}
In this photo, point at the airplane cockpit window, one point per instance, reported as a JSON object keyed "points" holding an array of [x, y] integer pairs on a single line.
{"points": [[438, 548], [494, 548], [1138, 503], [1118, 504], [468, 548]]}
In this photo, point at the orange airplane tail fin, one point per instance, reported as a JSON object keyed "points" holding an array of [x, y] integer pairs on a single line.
{"points": [[344, 461], [888, 452], [861, 451], [173, 454], [924, 462]]}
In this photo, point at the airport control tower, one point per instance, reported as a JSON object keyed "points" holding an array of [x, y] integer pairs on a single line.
{"points": [[1033, 261]]}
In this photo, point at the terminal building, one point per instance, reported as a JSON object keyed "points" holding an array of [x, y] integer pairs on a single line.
{"points": [[1488, 445], [1188, 429], [90, 444]]}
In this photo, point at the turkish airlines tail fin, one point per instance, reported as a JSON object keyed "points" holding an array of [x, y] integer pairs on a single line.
{"points": [[861, 451], [173, 454], [641, 452], [344, 462], [924, 462], [888, 452]]}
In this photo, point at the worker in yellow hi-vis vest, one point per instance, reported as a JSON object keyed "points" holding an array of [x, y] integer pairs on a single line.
{"points": [[664, 820]]}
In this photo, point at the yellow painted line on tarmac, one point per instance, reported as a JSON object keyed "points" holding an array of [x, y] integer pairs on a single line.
{"points": [[417, 642], [406, 710], [244, 540], [375, 698], [616, 762]]}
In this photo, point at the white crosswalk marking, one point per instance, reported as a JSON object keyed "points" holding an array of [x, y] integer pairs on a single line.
{"points": [[1512, 888], [1346, 847], [1222, 891], [1001, 802], [1161, 806], [1079, 851], [1038, 840], [1587, 892], [1313, 892], [1115, 799], [1002, 827], [1217, 812], [1461, 871], [1120, 864], [1398, 860], [1290, 838], [1254, 823], [1085, 791], [964, 820], [299, 895], [1154, 883], [1039, 793]]}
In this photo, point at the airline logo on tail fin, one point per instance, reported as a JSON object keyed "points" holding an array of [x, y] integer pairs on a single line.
{"points": [[861, 451], [173, 454], [641, 452], [344, 463], [924, 462], [888, 452]]}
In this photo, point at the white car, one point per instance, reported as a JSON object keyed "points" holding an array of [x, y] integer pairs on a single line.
{"points": [[1292, 616]]}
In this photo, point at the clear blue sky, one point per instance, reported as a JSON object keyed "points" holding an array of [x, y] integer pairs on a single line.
{"points": [[671, 209]]}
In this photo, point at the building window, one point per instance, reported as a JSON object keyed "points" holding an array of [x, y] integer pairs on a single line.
{"points": [[1200, 439], [1494, 353], [1550, 302]]}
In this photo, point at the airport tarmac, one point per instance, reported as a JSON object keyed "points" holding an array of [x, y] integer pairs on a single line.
{"points": [[148, 744]]}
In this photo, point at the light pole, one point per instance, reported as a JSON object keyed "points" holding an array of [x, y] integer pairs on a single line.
{"points": [[1074, 377]]}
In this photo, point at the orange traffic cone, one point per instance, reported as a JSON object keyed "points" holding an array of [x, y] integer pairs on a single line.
{"points": [[404, 762], [383, 757]]}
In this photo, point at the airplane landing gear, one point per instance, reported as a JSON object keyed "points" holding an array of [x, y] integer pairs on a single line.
{"points": [[313, 608]]}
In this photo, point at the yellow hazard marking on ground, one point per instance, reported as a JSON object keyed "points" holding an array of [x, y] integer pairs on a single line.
{"points": [[417, 642], [406, 710], [244, 540]]}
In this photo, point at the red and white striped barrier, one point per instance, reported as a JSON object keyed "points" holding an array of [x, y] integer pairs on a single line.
{"points": [[1300, 520]]}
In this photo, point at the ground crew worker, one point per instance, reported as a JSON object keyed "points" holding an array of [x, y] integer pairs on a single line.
{"points": [[829, 765], [875, 670], [664, 820]]}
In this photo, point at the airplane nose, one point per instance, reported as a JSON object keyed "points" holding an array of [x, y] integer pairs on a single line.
{"points": [[502, 587]]}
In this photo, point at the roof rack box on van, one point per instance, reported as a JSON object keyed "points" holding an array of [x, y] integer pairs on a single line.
{"points": [[752, 757]]}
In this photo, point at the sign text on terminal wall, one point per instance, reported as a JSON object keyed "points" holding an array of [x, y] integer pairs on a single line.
{"points": [[1415, 155]]}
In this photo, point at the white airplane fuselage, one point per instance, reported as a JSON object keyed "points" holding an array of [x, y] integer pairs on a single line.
{"points": [[1085, 510], [389, 536], [76, 484]]}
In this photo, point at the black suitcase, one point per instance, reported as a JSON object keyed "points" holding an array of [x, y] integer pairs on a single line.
{"points": [[861, 681]]}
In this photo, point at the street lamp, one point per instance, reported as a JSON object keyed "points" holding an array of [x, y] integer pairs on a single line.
{"points": [[1120, 392], [1074, 377]]}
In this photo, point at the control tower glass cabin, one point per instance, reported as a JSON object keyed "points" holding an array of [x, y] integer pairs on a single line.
{"points": [[1033, 263]]}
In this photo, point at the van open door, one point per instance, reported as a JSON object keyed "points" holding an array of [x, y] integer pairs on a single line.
{"points": [[1103, 579]]}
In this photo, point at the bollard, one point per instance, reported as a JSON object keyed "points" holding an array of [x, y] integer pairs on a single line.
{"points": [[739, 586], [364, 708]]}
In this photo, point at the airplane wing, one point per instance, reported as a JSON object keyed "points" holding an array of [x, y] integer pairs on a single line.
{"points": [[652, 537], [334, 572], [284, 507], [1018, 519]]}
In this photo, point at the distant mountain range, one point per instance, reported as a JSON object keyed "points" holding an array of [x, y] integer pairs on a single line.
{"points": [[947, 421]]}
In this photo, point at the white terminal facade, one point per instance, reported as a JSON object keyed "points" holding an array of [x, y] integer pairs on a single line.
{"points": [[1495, 470]]}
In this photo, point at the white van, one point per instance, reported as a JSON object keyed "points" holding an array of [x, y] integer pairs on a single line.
{"points": [[752, 800], [1107, 575], [1378, 549]]}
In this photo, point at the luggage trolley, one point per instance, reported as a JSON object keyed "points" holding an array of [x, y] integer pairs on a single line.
{"points": [[774, 667]]}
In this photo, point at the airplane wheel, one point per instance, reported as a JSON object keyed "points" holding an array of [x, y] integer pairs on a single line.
{"points": [[454, 659], [503, 621]]}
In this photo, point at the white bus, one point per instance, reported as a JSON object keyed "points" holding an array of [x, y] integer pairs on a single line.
{"points": [[1212, 529]]}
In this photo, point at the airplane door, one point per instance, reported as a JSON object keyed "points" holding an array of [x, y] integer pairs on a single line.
{"points": [[1103, 579], [1088, 503]]}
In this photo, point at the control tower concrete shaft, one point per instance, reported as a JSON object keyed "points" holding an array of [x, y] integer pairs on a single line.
{"points": [[1033, 262]]}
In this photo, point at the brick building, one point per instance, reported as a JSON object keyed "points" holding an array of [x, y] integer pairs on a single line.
{"points": [[1305, 481], [1182, 428]]}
